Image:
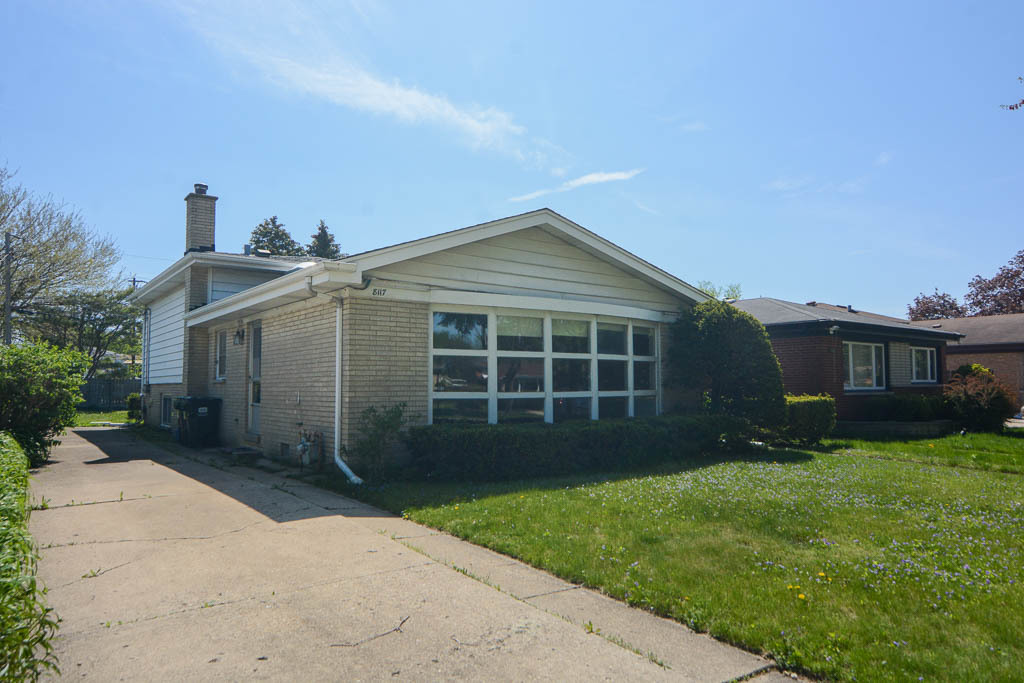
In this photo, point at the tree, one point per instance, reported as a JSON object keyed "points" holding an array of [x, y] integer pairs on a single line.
{"points": [[323, 244], [1002, 293], [1015, 105], [725, 354], [733, 291], [93, 323], [54, 252], [935, 306], [272, 236]]}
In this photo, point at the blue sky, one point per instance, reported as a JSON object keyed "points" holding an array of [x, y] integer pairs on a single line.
{"points": [[852, 153]]}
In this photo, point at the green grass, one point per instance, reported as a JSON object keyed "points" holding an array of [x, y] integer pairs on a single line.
{"points": [[1000, 452], [905, 570], [85, 418]]}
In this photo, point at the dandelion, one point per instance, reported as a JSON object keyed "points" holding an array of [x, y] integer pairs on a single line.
{"points": [[802, 596], [821, 573]]}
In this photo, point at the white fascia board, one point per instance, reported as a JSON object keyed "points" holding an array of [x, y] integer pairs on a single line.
{"points": [[321, 277], [544, 218], [175, 274]]}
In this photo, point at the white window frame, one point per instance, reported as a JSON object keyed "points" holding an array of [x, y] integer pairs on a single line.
{"points": [[220, 357], [492, 395], [255, 377], [933, 368], [166, 410], [877, 357]]}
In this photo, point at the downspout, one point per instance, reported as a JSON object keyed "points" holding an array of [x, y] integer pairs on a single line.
{"points": [[342, 465]]}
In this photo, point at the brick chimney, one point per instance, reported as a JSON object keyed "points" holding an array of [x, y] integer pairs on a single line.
{"points": [[200, 209]]}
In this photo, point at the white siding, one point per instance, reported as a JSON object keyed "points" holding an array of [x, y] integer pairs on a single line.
{"points": [[166, 340], [531, 262], [227, 281], [900, 369]]}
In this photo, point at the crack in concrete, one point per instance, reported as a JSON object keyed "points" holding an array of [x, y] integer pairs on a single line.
{"points": [[557, 590], [92, 575], [397, 629], [73, 504], [150, 540]]}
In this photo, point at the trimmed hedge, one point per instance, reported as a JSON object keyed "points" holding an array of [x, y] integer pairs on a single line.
{"points": [[26, 623], [506, 452], [904, 408], [809, 419]]}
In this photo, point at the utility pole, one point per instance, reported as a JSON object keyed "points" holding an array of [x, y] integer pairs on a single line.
{"points": [[7, 287]]}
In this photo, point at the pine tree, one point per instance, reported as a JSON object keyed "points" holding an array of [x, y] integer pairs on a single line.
{"points": [[272, 236], [323, 244]]}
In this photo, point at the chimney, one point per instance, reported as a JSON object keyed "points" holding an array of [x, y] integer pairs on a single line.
{"points": [[200, 209]]}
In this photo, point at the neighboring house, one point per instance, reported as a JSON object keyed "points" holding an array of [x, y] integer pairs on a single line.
{"points": [[849, 354], [527, 318], [995, 341]]}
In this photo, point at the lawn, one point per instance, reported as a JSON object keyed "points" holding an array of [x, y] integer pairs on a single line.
{"points": [[1000, 452], [840, 566], [84, 418]]}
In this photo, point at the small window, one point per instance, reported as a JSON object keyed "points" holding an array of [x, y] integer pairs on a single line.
{"points": [[520, 334], [460, 373], [466, 411], [611, 339], [220, 369], [511, 410], [566, 409], [570, 374], [611, 375], [643, 341], [570, 336], [460, 331], [924, 364], [612, 406], [166, 406], [863, 366], [518, 375]]}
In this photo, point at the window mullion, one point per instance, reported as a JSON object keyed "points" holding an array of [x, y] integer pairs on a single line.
{"points": [[492, 368], [549, 408], [629, 368], [593, 368]]}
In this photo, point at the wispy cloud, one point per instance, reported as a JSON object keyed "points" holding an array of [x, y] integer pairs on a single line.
{"points": [[788, 184], [883, 158], [645, 208], [694, 127], [589, 179]]}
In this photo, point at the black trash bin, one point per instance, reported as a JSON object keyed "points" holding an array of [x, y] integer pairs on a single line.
{"points": [[198, 421]]}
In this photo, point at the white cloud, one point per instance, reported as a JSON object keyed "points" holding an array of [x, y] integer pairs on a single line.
{"points": [[883, 158], [694, 127], [588, 179], [644, 207], [788, 184]]}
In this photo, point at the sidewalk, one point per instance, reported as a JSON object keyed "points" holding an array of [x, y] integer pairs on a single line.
{"points": [[167, 567]]}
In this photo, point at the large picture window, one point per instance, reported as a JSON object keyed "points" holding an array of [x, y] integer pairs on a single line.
{"points": [[924, 364], [529, 366], [863, 366]]}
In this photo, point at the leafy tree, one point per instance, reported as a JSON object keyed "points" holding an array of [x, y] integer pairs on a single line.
{"points": [[323, 244], [725, 354], [53, 252], [1002, 293], [935, 306], [271, 235], [733, 291]]}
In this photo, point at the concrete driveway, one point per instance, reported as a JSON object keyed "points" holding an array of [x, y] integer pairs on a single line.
{"points": [[166, 566]]}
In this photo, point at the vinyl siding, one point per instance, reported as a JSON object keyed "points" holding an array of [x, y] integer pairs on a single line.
{"points": [[227, 281], [530, 262], [166, 339]]}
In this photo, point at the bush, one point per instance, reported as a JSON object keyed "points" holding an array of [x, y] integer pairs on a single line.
{"points": [[378, 433], [26, 624], [505, 452], [903, 408], [979, 401], [39, 389], [134, 404], [809, 419], [725, 355]]}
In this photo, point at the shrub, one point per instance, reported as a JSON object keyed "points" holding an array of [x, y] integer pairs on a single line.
{"points": [[26, 623], [378, 433], [39, 389], [134, 403], [903, 407], [979, 401], [725, 354], [505, 452], [809, 419]]}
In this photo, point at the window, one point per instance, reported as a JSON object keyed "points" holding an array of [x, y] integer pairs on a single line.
{"points": [[924, 364], [166, 407], [255, 376], [863, 366], [220, 363], [525, 366]]}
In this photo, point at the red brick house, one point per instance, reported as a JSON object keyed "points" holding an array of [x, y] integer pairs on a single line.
{"points": [[850, 354], [995, 341]]}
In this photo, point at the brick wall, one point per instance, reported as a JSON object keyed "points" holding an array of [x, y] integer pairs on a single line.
{"points": [[151, 401], [232, 390], [811, 365], [385, 359], [1007, 366], [199, 220]]}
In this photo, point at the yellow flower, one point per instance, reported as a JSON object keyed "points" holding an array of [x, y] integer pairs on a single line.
{"points": [[931, 445], [789, 587], [821, 573], [802, 596], [456, 507]]}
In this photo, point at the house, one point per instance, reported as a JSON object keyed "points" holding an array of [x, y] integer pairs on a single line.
{"points": [[995, 341], [527, 318], [850, 354]]}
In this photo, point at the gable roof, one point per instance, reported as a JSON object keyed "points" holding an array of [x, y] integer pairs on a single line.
{"points": [[982, 329], [776, 313]]}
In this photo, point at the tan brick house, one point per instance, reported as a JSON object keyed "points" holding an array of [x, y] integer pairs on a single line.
{"points": [[526, 318], [850, 354]]}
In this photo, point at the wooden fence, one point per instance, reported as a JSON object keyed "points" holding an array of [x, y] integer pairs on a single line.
{"points": [[108, 394]]}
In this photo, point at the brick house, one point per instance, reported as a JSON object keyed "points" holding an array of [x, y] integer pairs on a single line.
{"points": [[850, 354], [995, 341], [527, 318]]}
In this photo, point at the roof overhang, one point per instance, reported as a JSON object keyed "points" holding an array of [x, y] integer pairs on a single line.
{"points": [[174, 275], [825, 326], [308, 281]]}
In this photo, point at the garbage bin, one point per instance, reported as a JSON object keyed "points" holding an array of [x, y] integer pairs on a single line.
{"points": [[198, 421]]}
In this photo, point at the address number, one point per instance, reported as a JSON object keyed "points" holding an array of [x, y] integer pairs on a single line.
{"points": [[379, 291]]}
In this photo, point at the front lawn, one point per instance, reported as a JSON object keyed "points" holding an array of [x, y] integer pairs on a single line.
{"points": [[841, 567], [85, 418], [1001, 452]]}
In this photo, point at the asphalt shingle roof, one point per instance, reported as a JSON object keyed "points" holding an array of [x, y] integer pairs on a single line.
{"points": [[983, 329]]}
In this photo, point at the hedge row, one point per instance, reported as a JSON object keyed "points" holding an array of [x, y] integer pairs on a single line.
{"points": [[26, 623], [505, 452], [809, 419]]}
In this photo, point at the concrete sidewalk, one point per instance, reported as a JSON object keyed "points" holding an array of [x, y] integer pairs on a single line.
{"points": [[170, 567]]}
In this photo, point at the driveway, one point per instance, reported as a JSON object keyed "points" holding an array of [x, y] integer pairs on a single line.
{"points": [[164, 565]]}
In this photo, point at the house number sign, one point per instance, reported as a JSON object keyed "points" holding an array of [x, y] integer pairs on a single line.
{"points": [[379, 291]]}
